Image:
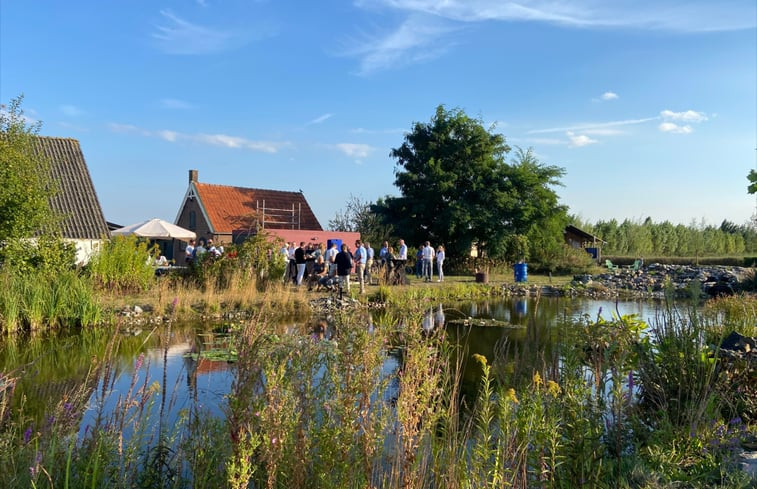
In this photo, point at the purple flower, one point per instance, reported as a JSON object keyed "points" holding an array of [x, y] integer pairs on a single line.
{"points": [[175, 303], [28, 434], [68, 407], [140, 361]]}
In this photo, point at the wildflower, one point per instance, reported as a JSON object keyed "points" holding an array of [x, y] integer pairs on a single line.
{"points": [[68, 407], [28, 434], [553, 388], [140, 361], [480, 359], [175, 303], [538, 382], [510, 396]]}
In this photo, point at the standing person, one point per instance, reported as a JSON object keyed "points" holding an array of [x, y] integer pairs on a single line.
{"points": [[419, 263], [189, 252], [292, 270], [344, 266], [284, 253], [427, 255], [402, 251], [331, 259], [369, 262], [382, 253], [440, 262], [299, 260], [361, 258]]}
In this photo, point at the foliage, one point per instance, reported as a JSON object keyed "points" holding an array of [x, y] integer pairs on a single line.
{"points": [[25, 184], [458, 190], [124, 264], [752, 177], [645, 238], [358, 216], [47, 252], [256, 262]]}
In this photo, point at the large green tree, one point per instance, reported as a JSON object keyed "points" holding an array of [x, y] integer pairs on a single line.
{"points": [[25, 184], [457, 188]]}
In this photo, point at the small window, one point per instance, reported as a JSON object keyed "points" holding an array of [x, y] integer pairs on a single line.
{"points": [[192, 220]]}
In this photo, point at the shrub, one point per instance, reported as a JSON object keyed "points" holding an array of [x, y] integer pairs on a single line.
{"points": [[124, 264]]}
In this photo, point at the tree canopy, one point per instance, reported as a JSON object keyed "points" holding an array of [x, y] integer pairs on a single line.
{"points": [[25, 184], [457, 189]]}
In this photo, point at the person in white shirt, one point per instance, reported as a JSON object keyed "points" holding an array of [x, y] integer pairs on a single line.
{"points": [[427, 255], [189, 252], [361, 258], [440, 262], [402, 250], [331, 258]]}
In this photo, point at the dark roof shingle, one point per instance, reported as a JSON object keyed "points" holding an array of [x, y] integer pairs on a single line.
{"points": [[76, 199]]}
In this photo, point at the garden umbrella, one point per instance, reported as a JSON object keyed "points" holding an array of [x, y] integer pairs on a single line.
{"points": [[155, 229]]}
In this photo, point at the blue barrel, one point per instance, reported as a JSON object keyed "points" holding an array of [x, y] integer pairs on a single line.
{"points": [[521, 272]]}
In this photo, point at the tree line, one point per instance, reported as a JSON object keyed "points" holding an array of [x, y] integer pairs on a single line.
{"points": [[648, 238]]}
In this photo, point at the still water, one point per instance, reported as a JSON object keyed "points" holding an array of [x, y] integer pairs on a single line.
{"points": [[49, 366]]}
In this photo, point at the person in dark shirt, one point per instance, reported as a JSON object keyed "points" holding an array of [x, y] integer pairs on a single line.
{"points": [[299, 260], [344, 266]]}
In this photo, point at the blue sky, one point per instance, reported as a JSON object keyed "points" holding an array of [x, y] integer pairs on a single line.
{"points": [[650, 106]]}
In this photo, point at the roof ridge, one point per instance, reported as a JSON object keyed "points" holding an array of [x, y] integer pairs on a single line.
{"points": [[250, 188]]}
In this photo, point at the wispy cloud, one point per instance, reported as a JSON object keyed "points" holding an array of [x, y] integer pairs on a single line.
{"points": [[686, 116], [671, 15], [675, 128], [593, 126], [179, 36], [607, 96], [355, 150], [71, 110], [320, 119], [222, 140], [172, 103], [417, 39], [579, 140]]}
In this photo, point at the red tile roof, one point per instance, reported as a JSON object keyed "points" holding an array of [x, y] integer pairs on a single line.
{"points": [[233, 208]]}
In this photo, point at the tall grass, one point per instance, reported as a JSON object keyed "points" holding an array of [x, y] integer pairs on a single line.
{"points": [[37, 300]]}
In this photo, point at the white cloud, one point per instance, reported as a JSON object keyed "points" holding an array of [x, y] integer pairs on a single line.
{"points": [[579, 140], [71, 110], [417, 39], [675, 128], [609, 96], [222, 140], [172, 103], [170, 136], [355, 150], [670, 15], [687, 116], [593, 126], [179, 36], [320, 119]]}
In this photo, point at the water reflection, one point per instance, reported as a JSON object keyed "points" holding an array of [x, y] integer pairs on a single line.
{"points": [[48, 366]]}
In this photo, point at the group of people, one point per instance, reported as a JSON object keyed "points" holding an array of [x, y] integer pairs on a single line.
{"points": [[320, 267], [195, 250]]}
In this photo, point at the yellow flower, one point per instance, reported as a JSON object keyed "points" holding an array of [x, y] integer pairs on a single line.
{"points": [[537, 380], [553, 388], [480, 359], [510, 395]]}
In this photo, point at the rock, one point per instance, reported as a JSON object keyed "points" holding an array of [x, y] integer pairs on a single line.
{"points": [[137, 310]]}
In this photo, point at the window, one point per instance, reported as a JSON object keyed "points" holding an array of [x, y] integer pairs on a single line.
{"points": [[192, 220]]}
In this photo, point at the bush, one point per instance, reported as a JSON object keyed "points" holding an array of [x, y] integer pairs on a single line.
{"points": [[47, 252], [124, 264]]}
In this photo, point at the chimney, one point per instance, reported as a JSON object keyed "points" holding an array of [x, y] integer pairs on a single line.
{"points": [[192, 176]]}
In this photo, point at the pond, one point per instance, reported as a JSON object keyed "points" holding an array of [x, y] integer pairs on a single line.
{"points": [[48, 366]]}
